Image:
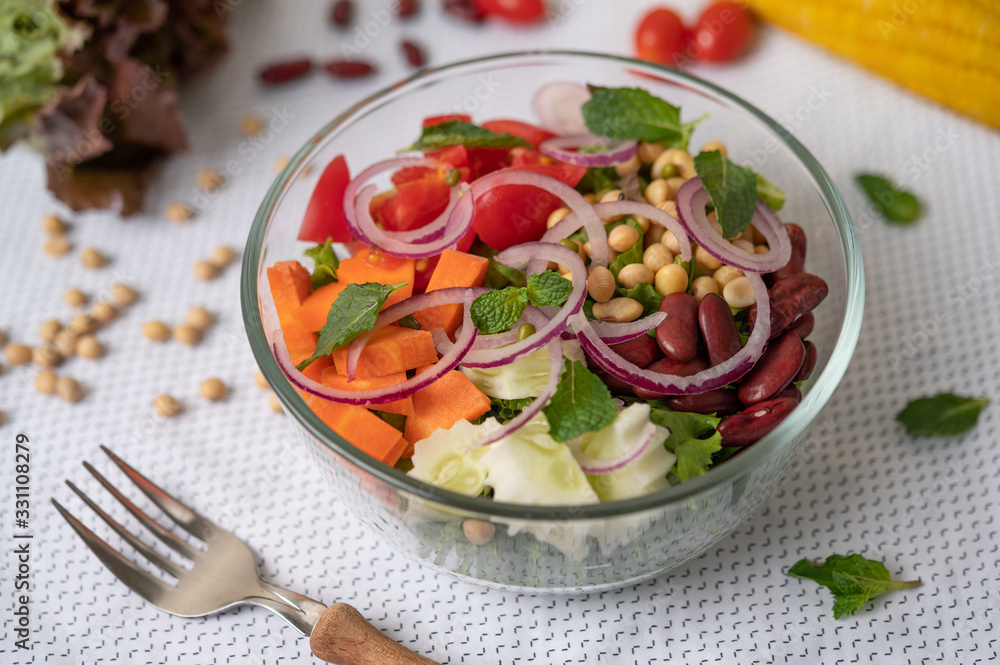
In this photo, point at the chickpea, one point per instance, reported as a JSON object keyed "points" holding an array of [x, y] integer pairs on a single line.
{"points": [[199, 318], [123, 294], [714, 145], [587, 248], [17, 354], [670, 279], [222, 256], [706, 261], [57, 245], [609, 196], [45, 382], [187, 335], [739, 293], [761, 249], [156, 331], [46, 357], [166, 406], [259, 379], [648, 152], [675, 184], [68, 389], [635, 274], [88, 347], [590, 198], [753, 235], [702, 286], [643, 222], [205, 270], [103, 312], [601, 284], [622, 238], [54, 225], [745, 245], [280, 162], [251, 125], [656, 256], [209, 180], [653, 235], [680, 159], [75, 298], [93, 258], [670, 241], [726, 274], [275, 404], [213, 389], [618, 310], [82, 324], [48, 330], [65, 342], [179, 212], [622, 169], [658, 191], [478, 532], [556, 216], [668, 207]]}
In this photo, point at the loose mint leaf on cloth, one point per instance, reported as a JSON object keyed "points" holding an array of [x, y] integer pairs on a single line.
{"points": [[548, 289], [896, 205], [581, 403], [853, 580], [732, 188], [325, 264], [352, 313], [769, 194], [944, 415], [692, 439], [632, 114], [457, 132], [497, 310]]}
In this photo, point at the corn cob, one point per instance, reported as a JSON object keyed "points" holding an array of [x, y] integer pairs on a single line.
{"points": [[948, 50]]}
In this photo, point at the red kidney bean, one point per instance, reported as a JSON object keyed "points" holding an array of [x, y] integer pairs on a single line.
{"points": [[408, 8], [670, 366], [677, 334], [414, 54], [464, 9], [718, 329], [775, 370], [794, 295], [641, 351], [342, 13], [750, 425], [808, 363], [803, 326], [797, 262], [791, 390], [283, 72], [721, 401], [346, 69]]}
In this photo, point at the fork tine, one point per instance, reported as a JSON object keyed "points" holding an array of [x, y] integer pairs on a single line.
{"points": [[168, 537], [134, 577], [189, 520], [151, 555]]}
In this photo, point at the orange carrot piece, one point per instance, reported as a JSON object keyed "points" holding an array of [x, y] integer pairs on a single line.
{"points": [[359, 427], [453, 269], [311, 315], [369, 266], [403, 407], [440, 405], [290, 285], [392, 349]]}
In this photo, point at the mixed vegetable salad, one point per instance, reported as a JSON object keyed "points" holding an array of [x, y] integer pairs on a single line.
{"points": [[555, 314]]}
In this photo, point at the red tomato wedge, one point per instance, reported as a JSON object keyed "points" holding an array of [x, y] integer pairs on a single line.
{"points": [[530, 133], [324, 217], [430, 121]]}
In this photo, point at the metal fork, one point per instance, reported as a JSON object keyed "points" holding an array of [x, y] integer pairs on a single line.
{"points": [[225, 575]]}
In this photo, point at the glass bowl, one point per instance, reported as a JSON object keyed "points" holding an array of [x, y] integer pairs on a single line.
{"points": [[559, 549]]}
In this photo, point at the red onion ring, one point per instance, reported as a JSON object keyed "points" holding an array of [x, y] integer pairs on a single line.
{"points": [[691, 201], [518, 257], [615, 333], [585, 213], [714, 377], [557, 107], [595, 467], [566, 149]]}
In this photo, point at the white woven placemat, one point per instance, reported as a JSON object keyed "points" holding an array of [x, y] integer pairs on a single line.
{"points": [[927, 507]]}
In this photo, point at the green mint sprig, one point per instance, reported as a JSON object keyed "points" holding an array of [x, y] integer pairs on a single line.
{"points": [[325, 264], [581, 403], [853, 580], [498, 309], [457, 132], [942, 415], [732, 188], [633, 114], [352, 313]]}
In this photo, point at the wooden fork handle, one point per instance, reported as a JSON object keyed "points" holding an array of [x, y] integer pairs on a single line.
{"points": [[343, 637]]}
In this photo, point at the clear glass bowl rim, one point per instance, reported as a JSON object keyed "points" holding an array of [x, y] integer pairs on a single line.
{"points": [[722, 475]]}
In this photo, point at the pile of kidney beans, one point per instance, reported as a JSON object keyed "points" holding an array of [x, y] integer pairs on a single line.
{"points": [[698, 335]]}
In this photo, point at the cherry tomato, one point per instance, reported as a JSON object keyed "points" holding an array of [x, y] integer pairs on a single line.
{"points": [[660, 37], [438, 119], [512, 214], [722, 32], [530, 133], [324, 217], [515, 11]]}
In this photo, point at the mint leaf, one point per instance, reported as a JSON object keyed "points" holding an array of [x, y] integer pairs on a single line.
{"points": [[597, 179], [769, 194], [632, 114], [581, 403], [692, 439], [732, 188], [457, 132], [633, 254], [944, 415], [896, 205], [646, 295], [325, 264], [548, 289], [497, 310], [352, 313], [853, 580]]}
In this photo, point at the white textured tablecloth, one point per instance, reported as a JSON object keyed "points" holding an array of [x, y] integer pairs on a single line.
{"points": [[927, 507]]}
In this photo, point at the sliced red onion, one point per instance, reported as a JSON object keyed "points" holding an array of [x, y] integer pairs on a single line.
{"points": [[666, 384], [566, 149], [456, 295], [596, 467], [691, 201], [615, 333], [448, 362], [518, 257], [557, 107]]}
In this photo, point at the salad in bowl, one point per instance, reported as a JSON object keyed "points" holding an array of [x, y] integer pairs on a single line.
{"points": [[555, 311]]}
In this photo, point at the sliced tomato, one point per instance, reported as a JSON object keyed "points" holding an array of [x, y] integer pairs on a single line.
{"points": [[455, 156], [412, 173], [487, 160], [420, 201], [529, 157], [530, 133], [512, 214], [430, 121], [324, 216]]}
